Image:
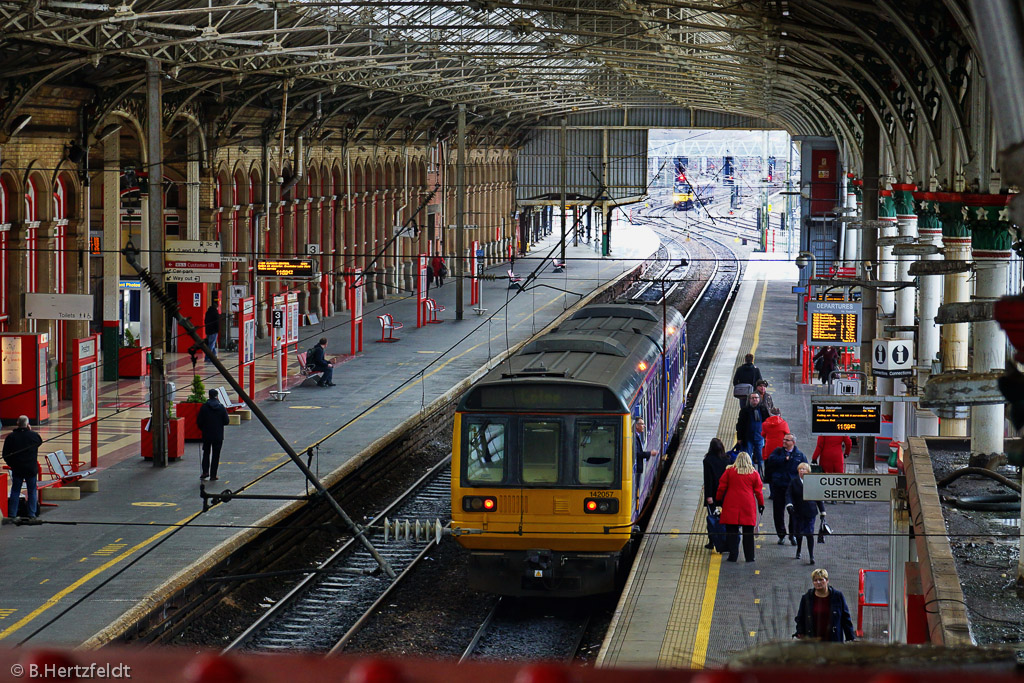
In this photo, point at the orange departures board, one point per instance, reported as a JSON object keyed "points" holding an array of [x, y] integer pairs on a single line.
{"points": [[833, 323], [864, 419]]}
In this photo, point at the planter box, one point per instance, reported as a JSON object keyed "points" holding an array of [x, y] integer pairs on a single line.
{"points": [[175, 439], [188, 412], [131, 361]]}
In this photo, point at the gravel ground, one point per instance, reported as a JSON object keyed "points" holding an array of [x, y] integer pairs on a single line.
{"points": [[986, 548]]}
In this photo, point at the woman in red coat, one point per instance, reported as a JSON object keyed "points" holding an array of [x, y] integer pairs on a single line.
{"points": [[832, 451], [773, 429], [739, 491]]}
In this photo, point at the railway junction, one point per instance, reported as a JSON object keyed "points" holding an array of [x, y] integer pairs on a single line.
{"points": [[295, 167]]}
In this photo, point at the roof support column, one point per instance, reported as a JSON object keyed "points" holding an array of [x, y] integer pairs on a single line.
{"points": [[562, 152], [905, 298], [869, 247], [460, 213], [886, 271], [930, 235], [111, 254], [978, 169], [154, 144], [956, 239]]}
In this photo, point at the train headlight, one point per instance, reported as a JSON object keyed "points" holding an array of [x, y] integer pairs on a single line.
{"points": [[601, 506], [479, 503]]}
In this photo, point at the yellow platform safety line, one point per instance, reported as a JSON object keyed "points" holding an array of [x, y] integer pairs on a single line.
{"points": [[707, 610], [63, 593]]}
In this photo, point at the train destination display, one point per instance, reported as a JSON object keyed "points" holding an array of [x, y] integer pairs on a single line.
{"points": [[295, 267], [833, 323], [863, 419]]}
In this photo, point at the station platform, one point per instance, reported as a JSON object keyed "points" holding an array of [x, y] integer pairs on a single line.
{"points": [[95, 565], [686, 607]]}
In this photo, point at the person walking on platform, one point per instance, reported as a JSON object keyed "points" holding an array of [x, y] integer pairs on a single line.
{"points": [[781, 467], [823, 614], [211, 325], [831, 451], [317, 360], [748, 429], [437, 264], [774, 430], [739, 492], [761, 387], [745, 378], [211, 419], [21, 453], [825, 361], [802, 512], [715, 463]]}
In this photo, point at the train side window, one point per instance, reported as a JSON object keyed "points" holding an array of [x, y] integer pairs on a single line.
{"points": [[541, 446], [596, 449], [485, 451]]}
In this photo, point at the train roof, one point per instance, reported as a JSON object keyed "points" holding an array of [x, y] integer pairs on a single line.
{"points": [[600, 347]]}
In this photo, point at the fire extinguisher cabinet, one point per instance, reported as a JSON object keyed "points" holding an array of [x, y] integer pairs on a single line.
{"points": [[23, 378]]}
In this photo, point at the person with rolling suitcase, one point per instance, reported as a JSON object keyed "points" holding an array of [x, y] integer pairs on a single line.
{"points": [[715, 463]]}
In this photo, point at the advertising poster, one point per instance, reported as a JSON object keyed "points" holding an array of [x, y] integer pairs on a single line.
{"points": [[10, 360], [87, 388]]}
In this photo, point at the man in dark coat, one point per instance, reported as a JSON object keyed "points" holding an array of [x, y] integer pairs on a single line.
{"points": [[21, 453], [317, 360], [746, 378], [748, 429], [780, 468], [211, 420], [211, 325]]}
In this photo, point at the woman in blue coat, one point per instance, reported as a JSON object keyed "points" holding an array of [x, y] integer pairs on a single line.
{"points": [[802, 512], [823, 614]]}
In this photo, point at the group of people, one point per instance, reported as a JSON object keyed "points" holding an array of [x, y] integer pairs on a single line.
{"points": [[437, 271]]}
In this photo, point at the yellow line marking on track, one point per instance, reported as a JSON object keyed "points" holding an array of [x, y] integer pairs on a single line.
{"points": [[63, 593], [757, 601], [753, 633], [707, 610]]}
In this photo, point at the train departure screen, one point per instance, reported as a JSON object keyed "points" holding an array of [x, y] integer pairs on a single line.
{"points": [[833, 323], [295, 267], [846, 418]]}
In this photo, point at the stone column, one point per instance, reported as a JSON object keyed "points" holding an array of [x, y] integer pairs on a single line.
{"points": [[988, 216], [930, 286], [851, 239], [110, 340], [956, 240], [906, 219]]}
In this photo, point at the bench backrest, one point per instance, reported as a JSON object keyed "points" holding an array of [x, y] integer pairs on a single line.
{"points": [[222, 396], [385, 320], [62, 459], [301, 357], [431, 304], [55, 465]]}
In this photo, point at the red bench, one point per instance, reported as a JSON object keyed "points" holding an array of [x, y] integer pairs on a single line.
{"points": [[308, 374], [432, 310], [514, 280], [388, 325], [559, 265]]}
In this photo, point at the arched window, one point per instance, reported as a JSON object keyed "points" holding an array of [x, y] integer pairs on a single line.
{"points": [[30, 200], [59, 201]]}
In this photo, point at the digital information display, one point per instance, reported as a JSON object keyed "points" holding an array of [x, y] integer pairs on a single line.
{"points": [[863, 419], [295, 267], [833, 323]]}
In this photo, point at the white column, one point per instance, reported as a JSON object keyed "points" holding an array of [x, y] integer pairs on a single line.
{"points": [[905, 298], [930, 233]]}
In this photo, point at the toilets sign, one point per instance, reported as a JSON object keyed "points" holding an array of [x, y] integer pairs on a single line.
{"points": [[865, 488]]}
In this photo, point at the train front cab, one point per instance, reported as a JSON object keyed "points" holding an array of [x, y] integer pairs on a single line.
{"points": [[536, 523]]}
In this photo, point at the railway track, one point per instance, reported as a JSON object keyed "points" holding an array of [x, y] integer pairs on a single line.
{"points": [[528, 630], [323, 610]]}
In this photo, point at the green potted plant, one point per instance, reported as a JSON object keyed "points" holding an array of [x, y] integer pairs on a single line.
{"points": [[189, 409], [131, 357]]}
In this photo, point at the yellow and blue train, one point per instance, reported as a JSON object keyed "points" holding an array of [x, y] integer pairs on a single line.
{"points": [[549, 472]]}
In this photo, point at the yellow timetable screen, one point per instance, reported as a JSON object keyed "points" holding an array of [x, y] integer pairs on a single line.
{"points": [[834, 322], [846, 418]]}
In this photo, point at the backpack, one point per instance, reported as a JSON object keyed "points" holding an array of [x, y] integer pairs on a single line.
{"points": [[309, 356]]}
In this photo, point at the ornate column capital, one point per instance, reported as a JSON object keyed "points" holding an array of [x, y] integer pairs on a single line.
{"points": [[951, 215], [988, 218]]}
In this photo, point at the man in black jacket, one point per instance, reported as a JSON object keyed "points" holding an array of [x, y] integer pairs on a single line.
{"points": [[211, 420], [211, 325], [21, 453], [317, 360], [746, 377]]}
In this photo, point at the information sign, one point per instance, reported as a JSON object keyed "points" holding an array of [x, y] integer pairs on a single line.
{"points": [[57, 306], [192, 261], [892, 357], [867, 488], [864, 419], [834, 323], [295, 267]]}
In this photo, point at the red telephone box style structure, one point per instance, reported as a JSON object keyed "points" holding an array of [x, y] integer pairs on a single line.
{"points": [[247, 343], [474, 273], [192, 303], [421, 288], [23, 377], [85, 397], [354, 295]]}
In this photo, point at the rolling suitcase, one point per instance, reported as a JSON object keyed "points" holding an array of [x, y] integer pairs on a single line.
{"points": [[716, 530]]}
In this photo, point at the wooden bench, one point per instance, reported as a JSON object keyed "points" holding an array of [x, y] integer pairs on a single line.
{"points": [[514, 280], [432, 310], [310, 376], [388, 325], [558, 265]]}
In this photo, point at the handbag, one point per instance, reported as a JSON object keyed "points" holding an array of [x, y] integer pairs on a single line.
{"points": [[824, 531], [816, 468], [742, 390]]}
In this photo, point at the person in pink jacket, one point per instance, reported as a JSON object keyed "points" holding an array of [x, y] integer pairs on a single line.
{"points": [[739, 491], [831, 453]]}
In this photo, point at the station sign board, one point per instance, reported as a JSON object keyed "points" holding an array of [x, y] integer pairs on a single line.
{"points": [[294, 267], [841, 417], [192, 261], [833, 323], [866, 488], [892, 357], [40, 306]]}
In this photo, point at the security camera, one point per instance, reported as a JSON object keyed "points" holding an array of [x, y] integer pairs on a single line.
{"points": [[802, 261], [868, 266]]}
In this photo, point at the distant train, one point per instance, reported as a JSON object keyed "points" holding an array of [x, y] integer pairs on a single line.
{"points": [[687, 196], [548, 476]]}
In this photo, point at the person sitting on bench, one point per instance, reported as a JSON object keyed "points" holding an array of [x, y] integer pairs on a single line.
{"points": [[318, 362]]}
